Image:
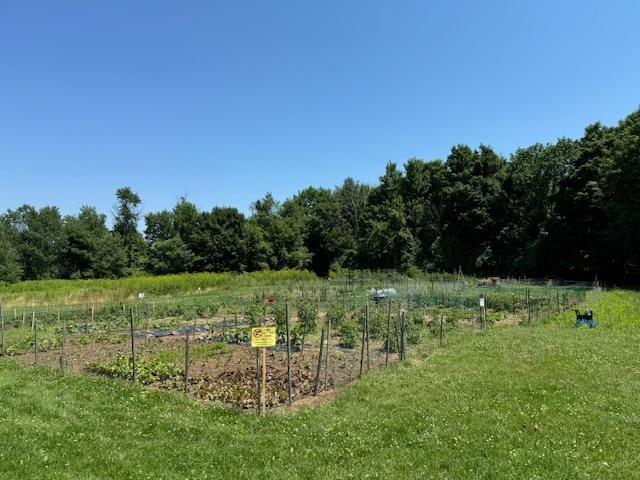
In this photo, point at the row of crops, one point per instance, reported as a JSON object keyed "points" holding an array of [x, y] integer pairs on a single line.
{"points": [[344, 304]]}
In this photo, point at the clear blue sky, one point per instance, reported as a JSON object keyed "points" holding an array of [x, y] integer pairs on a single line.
{"points": [[225, 101]]}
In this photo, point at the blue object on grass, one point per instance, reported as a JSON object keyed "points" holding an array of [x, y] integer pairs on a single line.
{"points": [[585, 318]]}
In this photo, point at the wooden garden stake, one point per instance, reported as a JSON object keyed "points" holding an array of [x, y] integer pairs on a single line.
{"points": [[315, 388], [263, 388], [399, 335], [364, 333], [258, 382], [2, 352], [186, 360], [224, 328], [326, 357], [366, 323], [484, 312], [386, 354], [35, 338], [133, 346], [402, 352], [441, 329], [286, 316], [64, 341]]}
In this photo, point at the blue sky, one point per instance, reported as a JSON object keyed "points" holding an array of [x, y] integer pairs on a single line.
{"points": [[225, 101]]}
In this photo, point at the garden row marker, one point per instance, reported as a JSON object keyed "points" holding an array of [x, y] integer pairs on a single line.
{"points": [[2, 329], [263, 337], [483, 312], [286, 316], [133, 346], [315, 388]]}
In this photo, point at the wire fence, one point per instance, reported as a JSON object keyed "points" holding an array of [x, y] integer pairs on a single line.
{"points": [[328, 334]]}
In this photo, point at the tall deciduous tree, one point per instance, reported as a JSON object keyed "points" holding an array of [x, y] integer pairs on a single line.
{"points": [[10, 265], [387, 241], [472, 210], [125, 225]]}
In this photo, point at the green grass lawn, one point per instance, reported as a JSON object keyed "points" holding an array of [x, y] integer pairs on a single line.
{"points": [[542, 402]]}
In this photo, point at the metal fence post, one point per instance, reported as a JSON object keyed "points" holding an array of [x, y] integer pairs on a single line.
{"points": [[286, 315], [133, 346]]}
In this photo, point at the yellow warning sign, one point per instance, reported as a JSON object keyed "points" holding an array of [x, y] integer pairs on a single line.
{"points": [[263, 337]]}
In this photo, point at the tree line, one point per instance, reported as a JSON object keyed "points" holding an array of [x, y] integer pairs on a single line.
{"points": [[569, 209]]}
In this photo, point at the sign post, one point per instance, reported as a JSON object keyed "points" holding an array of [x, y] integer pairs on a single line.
{"points": [[483, 308], [263, 337]]}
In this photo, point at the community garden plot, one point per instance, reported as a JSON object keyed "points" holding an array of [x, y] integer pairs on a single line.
{"points": [[202, 347]]}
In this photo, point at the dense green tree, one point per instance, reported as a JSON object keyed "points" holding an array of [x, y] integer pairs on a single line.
{"points": [[580, 241], [532, 183], [186, 221], [84, 234], [170, 256], [352, 198], [10, 265], [568, 208], [159, 226], [422, 188], [41, 240], [624, 203], [387, 241], [125, 225], [276, 240], [221, 241], [473, 209], [325, 232], [111, 257]]}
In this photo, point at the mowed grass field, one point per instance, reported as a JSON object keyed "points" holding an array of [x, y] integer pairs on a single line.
{"points": [[542, 402]]}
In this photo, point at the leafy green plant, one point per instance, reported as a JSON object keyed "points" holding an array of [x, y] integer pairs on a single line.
{"points": [[147, 371], [348, 332], [307, 315], [338, 314]]}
